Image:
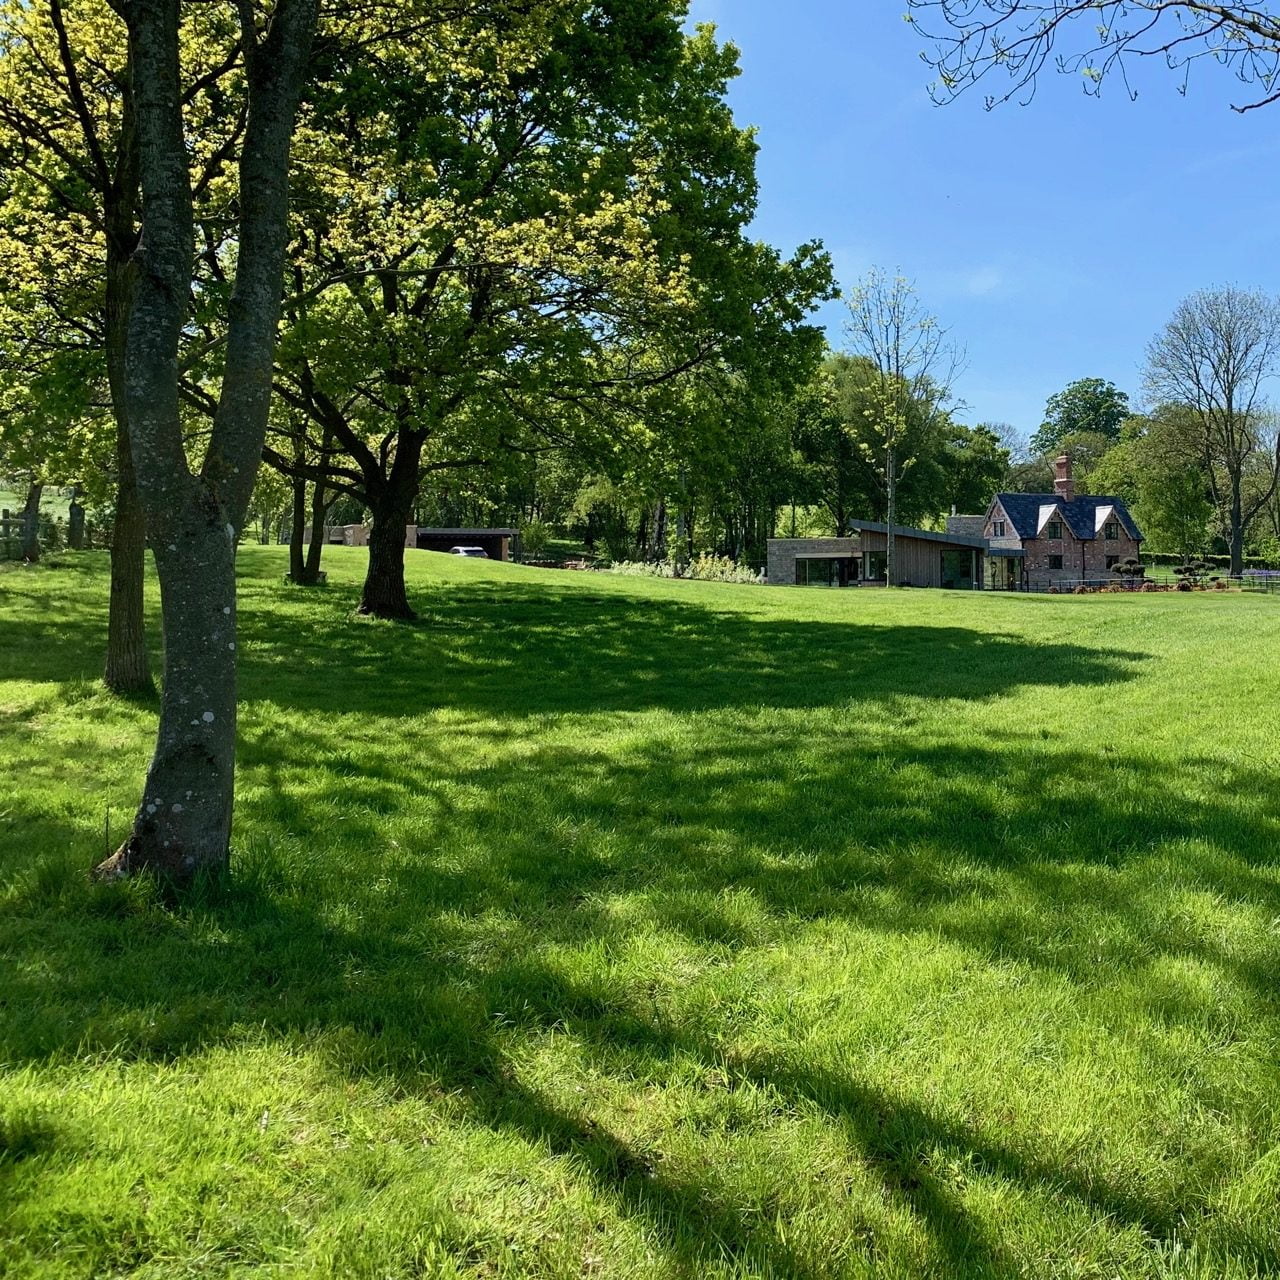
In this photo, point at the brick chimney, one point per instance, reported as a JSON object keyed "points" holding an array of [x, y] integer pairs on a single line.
{"points": [[1064, 486]]}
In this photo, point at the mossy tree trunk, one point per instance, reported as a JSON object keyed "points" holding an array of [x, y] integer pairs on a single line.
{"points": [[31, 522], [182, 827]]}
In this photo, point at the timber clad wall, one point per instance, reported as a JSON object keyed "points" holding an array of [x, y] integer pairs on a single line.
{"points": [[916, 561]]}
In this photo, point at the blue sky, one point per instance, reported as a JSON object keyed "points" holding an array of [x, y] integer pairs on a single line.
{"points": [[1053, 239]]}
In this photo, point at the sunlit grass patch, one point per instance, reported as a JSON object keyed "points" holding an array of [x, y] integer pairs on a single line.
{"points": [[607, 926]]}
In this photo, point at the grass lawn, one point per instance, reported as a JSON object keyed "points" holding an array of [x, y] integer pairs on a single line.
{"points": [[624, 927], [54, 503]]}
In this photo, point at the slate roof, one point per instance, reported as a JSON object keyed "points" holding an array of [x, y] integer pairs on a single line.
{"points": [[967, 526], [1079, 515]]}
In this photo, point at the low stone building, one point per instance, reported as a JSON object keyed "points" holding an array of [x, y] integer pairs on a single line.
{"points": [[356, 535], [496, 543], [922, 558], [1058, 539]]}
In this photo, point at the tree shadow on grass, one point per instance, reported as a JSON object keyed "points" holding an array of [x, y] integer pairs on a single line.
{"points": [[441, 975], [526, 650], [403, 905]]}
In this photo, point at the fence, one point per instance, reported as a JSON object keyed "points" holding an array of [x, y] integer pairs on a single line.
{"points": [[1254, 580], [1267, 580], [51, 531]]}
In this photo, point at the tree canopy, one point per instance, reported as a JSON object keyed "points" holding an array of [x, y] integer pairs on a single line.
{"points": [[542, 255], [1091, 405]]}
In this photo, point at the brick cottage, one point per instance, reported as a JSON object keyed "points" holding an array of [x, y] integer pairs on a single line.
{"points": [[1039, 540]]}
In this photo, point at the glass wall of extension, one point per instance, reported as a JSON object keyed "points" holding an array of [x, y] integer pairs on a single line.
{"points": [[827, 571], [958, 569]]}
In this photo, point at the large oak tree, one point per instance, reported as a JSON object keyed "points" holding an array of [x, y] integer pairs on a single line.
{"points": [[534, 255]]}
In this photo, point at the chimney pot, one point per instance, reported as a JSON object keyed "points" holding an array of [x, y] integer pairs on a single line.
{"points": [[1063, 485]]}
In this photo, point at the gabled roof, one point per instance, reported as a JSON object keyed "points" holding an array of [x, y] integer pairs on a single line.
{"points": [[1084, 515]]}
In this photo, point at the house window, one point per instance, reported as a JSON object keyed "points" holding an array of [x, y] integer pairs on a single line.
{"points": [[1055, 562], [1053, 530], [1112, 561], [816, 573], [997, 528], [1113, 531]]}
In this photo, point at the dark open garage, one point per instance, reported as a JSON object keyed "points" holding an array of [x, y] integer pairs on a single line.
{"points": [[496, 543]]}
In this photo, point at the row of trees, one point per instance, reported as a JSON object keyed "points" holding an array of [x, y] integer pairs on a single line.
{"points": [[516, 230], [871, 431]]}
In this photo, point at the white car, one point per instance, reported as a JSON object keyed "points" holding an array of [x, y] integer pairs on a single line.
{"points": [[476, 553]]}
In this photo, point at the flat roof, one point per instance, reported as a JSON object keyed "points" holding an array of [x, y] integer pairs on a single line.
{"points": [[467, 533], [925, 535]]}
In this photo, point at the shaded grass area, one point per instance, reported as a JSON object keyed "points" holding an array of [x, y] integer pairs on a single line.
{"points": [[603, 926]]}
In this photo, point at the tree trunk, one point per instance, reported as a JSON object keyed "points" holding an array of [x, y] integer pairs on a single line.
{"points": [[391, 500], [183, 824], [297, 530], [1235, 527], [319, 514], [890, 550], [384, 594], [75, 522], [127, 669], [31, 522], [128, 666]]}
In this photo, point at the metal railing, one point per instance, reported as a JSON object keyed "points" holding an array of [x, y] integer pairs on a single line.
{"points": [[1266, 581]]}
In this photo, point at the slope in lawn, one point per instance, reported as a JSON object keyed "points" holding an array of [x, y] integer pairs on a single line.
{"points": [[621, 927]]}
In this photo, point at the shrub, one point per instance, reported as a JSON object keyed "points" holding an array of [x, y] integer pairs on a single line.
{"points": [[645, 568], [1193, 572], [710, 568], [704, 567], [533, 538]]}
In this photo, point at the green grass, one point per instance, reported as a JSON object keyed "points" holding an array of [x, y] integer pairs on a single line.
{"points": [[54, 503], [623, 927]]}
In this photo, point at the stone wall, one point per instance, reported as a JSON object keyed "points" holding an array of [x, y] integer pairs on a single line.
{"points": [[784, 552]]}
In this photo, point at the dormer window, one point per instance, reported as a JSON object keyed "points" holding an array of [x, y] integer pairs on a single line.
{"points": [[1112, 531], [1053, 529], [997, 528]]}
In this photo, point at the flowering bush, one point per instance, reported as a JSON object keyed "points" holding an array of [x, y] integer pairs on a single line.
{"points": [[720, 569], [645, 568], [706, 568]]}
